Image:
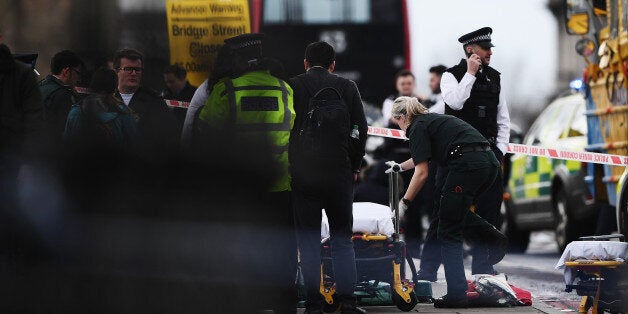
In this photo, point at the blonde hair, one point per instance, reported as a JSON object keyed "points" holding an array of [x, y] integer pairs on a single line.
{"points": [[409, 107]]}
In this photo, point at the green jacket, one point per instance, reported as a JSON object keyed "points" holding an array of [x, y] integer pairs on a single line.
{"points": [[57, 100], [255, 103]]}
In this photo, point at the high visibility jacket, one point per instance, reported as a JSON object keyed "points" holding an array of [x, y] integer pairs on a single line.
{"points": [[255, 103]]}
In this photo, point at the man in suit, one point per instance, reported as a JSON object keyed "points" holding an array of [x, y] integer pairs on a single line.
{"points": [[326, 182], [158, 128]]}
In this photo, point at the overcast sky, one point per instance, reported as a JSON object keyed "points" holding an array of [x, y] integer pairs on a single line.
{"points": [[524, 35]]}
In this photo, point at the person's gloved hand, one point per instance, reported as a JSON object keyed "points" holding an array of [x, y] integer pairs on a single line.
{"points": [[402, 207], [393, 167]]}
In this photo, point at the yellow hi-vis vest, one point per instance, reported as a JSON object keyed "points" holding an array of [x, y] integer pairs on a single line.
{"points": [[255, 103]]}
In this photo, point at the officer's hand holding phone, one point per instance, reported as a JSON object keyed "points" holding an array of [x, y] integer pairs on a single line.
{"points": [[474, 62]]}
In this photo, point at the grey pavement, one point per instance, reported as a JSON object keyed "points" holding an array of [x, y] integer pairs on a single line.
{"points": [[439, 288]]}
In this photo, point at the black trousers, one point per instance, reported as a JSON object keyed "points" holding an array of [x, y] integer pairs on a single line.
{"points": [[469, 176], [330, 189], [487, 206]]}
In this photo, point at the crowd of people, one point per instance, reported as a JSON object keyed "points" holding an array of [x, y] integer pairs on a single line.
{"points": [[255, 155]]}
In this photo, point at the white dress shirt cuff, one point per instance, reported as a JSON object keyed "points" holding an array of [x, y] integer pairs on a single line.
{"points": [[503, 147]]}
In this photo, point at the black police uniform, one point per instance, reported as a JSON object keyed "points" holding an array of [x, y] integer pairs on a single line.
{"points": [[472, 166], [480, 111]]}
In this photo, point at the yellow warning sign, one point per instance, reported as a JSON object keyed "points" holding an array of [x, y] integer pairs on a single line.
{"points": [[197, 29]]}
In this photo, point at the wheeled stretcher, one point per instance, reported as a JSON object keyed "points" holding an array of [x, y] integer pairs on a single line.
{"points": [[380, 254], [598, 271], [380, 257]]}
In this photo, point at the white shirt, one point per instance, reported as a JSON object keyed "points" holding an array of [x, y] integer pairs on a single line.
{"points": [[126, 98], [386, 110], [456, 93], [439, 105], [198, 100]]}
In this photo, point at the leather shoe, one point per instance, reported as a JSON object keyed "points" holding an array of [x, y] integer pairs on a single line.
{"points": [[446, 302]]}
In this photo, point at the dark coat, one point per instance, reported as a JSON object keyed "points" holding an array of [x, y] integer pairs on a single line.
{"points": [[21, 111], [316, 76], [57, 99], [158, 128], [185, 94]]}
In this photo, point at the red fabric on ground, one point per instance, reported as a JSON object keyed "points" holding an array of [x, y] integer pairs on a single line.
{"points": [[524, 296]]}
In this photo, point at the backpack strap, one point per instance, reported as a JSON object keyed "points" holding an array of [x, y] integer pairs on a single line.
{"points": [[327, 88]]}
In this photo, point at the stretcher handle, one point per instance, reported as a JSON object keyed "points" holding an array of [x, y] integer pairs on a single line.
{"points": [[602, 237], [393, 196]]}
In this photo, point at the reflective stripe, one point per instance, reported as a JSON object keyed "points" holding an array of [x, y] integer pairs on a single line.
{"points": [[255, 87], [233, 106], [279, 149], [285, 125], [287, 114]]}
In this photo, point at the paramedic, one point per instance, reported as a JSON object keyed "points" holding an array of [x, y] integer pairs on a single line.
{"points": [[455, 144], [256, 106], [472, 92]]}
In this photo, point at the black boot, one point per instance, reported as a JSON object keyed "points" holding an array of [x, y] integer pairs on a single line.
{"points": [[497, 246], [448, 302], [349, 305]]}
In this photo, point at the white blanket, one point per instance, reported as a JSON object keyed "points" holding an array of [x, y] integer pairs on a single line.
{"points": [[367, 218], [591, 250]]}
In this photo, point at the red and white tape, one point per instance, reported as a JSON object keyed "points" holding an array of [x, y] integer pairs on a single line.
{"points": [[385, 132], [597, 158], [176, 103], [606, 159]]}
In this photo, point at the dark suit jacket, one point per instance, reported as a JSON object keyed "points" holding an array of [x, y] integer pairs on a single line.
{"points": [[319, 77], [158, 128]]}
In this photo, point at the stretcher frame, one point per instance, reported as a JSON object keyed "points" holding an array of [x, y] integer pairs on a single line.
{"points": [[595, 269], [402, 293]]}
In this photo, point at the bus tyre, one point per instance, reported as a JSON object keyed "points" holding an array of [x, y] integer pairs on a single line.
{"points": [[566, 229], [518, 239]]}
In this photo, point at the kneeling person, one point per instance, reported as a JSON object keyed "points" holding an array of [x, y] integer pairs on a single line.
{"points": [[473, 167]]}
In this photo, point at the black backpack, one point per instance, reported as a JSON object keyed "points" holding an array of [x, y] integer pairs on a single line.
{"points": [[326, 127]]}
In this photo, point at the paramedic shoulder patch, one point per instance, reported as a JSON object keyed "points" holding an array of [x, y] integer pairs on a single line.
{"points": [[259, 103]]}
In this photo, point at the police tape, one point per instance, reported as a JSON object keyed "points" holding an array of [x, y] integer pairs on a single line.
{"points": [[597, 158], [589, 157], [176, 104], [385, 132]]}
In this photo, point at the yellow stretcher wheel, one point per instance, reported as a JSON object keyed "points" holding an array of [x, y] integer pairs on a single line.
{"points": [[402, 304], [331, 307]]}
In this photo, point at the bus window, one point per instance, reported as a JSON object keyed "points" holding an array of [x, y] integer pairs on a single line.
{"points": [[316, 12], [370, 37], [330, 12]]}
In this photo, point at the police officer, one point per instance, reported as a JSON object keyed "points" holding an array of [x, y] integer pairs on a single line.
{"points": [[253, 104], [454, 144], [472, 92]]}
